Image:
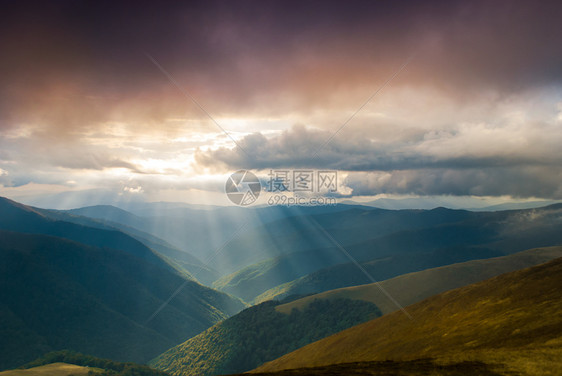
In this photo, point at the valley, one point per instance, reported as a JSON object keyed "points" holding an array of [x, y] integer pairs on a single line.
{"points": [[108, 285]]}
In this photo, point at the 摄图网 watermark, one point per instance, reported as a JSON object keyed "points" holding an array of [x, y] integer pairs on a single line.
{"points": [[284, 187]]}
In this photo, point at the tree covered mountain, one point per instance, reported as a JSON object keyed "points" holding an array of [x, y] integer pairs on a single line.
{"points": [[259, 334], [111, 218], [94, 296]]}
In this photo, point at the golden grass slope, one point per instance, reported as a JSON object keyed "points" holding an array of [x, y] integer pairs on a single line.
{"points": [[413, 287], [512, 321], [53, 369]]}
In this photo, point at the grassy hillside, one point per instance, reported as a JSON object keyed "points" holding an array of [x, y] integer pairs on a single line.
{"points": [[60, 294], [385, 267], [54, 369], [65, 362], [421, 367], [413, 287], [512, 322], [259, 334]]}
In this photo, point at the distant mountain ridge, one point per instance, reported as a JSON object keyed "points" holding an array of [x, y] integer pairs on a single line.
{"points": [[182, 226], [467, 236], [428, 203], [283, 251], [20, 218]]}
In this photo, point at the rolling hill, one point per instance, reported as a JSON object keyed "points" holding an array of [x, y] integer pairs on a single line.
{"points": [[259, 334], [388, 265], [53, 369], [512, 322], [410, 288], [418, 367], [358, 226], [67, 363], [253, 280], [59, 294]]}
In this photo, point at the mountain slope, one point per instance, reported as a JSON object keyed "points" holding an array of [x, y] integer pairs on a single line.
{"points": [[182, 225], [513, 320], [413, 287], [259, 334], [94, 217], [66, 363], [24, 219], [53, 369], [275, 238], [418, 367], [253, 280], [59, 293], [111, 214], [383, 268], [406, 247]]}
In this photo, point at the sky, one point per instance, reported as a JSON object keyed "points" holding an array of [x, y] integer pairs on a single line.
{"points": [[162, 101]]}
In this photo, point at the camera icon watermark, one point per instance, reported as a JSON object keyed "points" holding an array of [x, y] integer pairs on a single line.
{"points": [[300, 187], [243, 188]]}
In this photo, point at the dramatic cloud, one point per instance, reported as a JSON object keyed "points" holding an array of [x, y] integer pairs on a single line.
{"points": [[81, 101], [478, 159]]}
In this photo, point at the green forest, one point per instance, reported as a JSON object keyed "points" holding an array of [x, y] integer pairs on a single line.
{"points": [[260, 334]]}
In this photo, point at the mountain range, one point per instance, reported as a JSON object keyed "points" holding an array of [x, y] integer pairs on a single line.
{"points": [[285, 251], [126, 284], [66, 285], [386, 244]]}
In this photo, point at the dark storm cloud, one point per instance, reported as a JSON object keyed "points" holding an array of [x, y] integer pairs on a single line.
{"points": [[414, 166], [535, 181], [242, 56]]}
